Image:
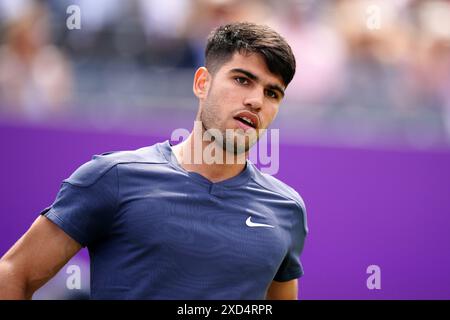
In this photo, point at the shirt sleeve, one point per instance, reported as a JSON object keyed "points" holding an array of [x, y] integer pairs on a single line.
{"points": [[86, 203], [291, 267]]}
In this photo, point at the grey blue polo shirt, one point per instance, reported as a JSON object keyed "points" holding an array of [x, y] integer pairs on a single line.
{"points": [[156, 231]]}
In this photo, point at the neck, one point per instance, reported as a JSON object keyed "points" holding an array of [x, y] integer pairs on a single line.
{"points": [[189, 157]]}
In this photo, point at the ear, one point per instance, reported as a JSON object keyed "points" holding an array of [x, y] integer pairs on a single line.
{"points": [[202, 79]]}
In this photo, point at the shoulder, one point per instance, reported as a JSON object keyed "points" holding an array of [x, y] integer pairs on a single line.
{"points": [[103, 164], [277, 186], [283, 190]]}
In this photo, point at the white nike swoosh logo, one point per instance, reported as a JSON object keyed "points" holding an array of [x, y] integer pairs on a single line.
{"points": [[251, 224]]}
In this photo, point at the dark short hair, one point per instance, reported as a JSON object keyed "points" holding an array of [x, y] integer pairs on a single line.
{"points": [[245, 37]]}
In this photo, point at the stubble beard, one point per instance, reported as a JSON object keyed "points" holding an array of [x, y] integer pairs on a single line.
{"points": [[231, 141]]}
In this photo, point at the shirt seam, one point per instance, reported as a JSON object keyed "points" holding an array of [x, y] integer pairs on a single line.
{"points": [[118, 189], [291, 276], [281, 195], [302, 209], [78, 232], [302, 218], [106, 171]]}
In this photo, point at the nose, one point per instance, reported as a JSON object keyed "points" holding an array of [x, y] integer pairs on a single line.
{"points": [[254, 100]]}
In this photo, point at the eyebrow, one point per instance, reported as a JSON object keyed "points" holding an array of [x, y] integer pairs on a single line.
{"points": [[256, 78]]}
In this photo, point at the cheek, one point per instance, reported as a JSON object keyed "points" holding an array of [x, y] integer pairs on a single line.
{"points": [[270, 113], [218, 104], [231, 95], [226, 100]]}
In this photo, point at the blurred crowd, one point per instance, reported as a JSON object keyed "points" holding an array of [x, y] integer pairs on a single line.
{"points": [[366, 70]]}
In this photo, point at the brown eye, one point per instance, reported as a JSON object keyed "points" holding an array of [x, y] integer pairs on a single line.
{"points": [[272, 94], [241, 80]]}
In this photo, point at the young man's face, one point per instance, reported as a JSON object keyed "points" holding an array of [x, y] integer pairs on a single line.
{"points": [[241, 90]]}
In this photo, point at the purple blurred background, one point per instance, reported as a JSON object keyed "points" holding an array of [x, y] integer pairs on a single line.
{"points": [[364, 128]]}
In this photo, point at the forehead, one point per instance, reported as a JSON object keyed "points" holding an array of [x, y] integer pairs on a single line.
{"points": [[254, 63]]}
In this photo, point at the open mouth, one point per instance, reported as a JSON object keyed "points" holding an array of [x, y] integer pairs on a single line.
{"points": [[246, 121]]}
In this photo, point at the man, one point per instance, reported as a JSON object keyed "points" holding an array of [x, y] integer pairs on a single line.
{"points": [[158, 223]]}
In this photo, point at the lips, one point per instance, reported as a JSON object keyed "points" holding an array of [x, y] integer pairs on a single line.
{"points": [[247, 118]]}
